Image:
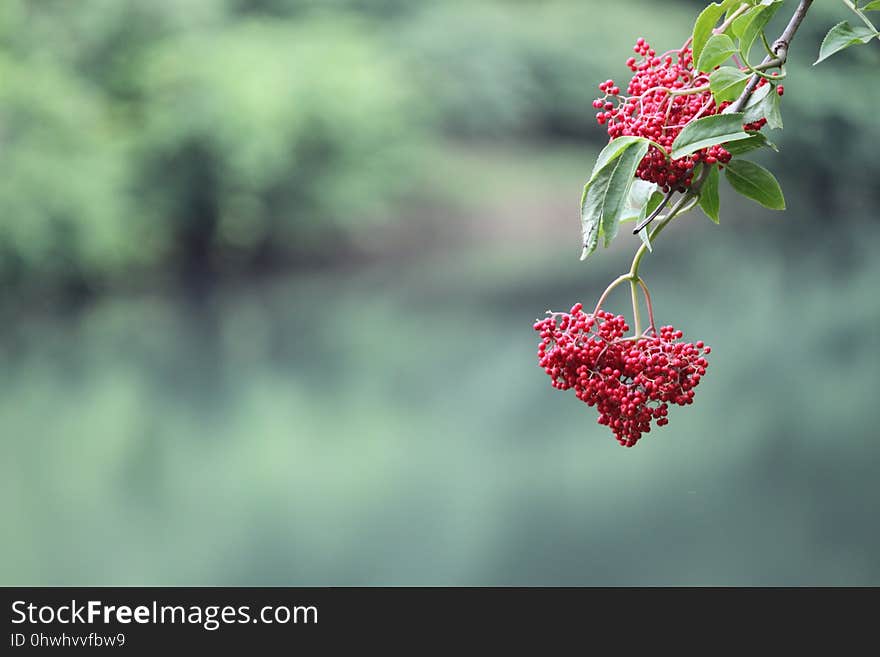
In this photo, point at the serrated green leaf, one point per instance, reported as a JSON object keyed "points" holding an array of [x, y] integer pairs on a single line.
{"points": [[605, 196], [755, 141], [614, 148], [727, 83], [718, 49], [709, 200], [705, 23], [755, 182], [708, 131], [841, 36], [872, 6]]}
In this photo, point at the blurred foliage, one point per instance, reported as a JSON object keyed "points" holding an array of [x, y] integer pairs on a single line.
{"points": [[149, 135], [262, 136], [201, 136], [525, 68], [289, 8], [62, 193]]}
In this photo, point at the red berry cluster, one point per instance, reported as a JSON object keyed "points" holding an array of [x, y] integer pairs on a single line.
{"points": [[660, 100], [630, 381]]}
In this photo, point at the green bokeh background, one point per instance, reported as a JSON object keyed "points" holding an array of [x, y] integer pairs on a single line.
{"points": [[268, 274]]}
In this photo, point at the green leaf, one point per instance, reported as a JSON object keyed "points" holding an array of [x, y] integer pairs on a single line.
{"points": [[727, 83], [614, 148], [755, 182], [872, 6], [756, 97], [639, 196], [718, 49], [605, 196], [652, 204], [646, 240], [755, 141], [741, 22], [708, 131], [706, 22], [736, 4], [709, 201], [757, 105], [750, 25], [765, 103], [774, 114], [841, 36]]}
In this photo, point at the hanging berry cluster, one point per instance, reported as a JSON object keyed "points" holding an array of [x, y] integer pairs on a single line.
{"points": [[665, 94], [630, 382]]}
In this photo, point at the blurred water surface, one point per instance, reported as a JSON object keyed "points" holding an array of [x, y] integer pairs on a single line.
{"points": [[390, 426]]}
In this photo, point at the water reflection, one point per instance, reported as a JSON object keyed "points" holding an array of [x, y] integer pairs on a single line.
{"points": [[382, 428]]}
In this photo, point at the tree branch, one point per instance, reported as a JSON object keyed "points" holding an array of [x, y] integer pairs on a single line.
{"points": [[780, 48]]}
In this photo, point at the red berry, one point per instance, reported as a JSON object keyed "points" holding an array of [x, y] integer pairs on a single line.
{"points": [[630, 382], [646, 108]]}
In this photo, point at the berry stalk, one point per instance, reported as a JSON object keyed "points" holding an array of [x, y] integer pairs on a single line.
{"points": [[637, 317]]}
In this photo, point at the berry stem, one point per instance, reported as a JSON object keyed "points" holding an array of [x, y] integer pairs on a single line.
{"points": [[689, 91], [649, 304], [721, 29], [759, 71], [637, 317], [686, 92], [617, 281], [766, 65], [859, 13], [767, 45], [684, 204]]}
